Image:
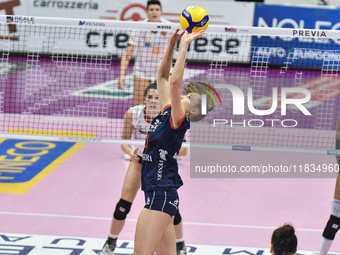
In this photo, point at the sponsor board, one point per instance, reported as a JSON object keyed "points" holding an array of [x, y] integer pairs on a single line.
{"points": [[93, 39], [19, 20], [91, 23], [219, 12], [306, 47], [231, 29], [164, 27], [42, 244], [64, 5], [310, 48], [241, 148], [333, 152]]}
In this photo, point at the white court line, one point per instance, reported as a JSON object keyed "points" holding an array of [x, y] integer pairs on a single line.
{"points": [[135, 220]]}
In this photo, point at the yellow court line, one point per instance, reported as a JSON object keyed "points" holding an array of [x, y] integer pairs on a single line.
{"points": [[10, 171], [6, 178], [52, 132]]}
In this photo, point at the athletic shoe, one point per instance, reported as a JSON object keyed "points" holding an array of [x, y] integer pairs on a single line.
{"points": [[108, 247], [181, 248]]}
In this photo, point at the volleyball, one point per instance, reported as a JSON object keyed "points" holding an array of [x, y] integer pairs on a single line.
{"points": [[194, 19]]}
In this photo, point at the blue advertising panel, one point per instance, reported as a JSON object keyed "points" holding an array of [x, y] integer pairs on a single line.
{"points": [[314, 51], [23, 163]]}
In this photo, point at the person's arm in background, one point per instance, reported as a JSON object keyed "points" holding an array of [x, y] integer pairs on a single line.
{"points": [[183, 151], [127, 132], [124, 64]]}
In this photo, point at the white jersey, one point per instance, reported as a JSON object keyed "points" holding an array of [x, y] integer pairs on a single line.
{"points": [[140, 125], [150, 50]]}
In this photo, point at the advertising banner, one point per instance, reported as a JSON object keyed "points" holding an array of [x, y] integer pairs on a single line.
{"points": [[89, 39], [220, 12], [312, 51]]}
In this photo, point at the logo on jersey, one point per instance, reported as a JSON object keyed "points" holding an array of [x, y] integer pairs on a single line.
{"points": [[175, 156], [162, 154], [160, 170], [141, 130], [148, 201], [154, 125], [175, 203], [147, 157]]}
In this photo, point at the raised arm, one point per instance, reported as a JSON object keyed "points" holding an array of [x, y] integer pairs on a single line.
{"points": [[177, 109], [162, 77], [124, 64]]}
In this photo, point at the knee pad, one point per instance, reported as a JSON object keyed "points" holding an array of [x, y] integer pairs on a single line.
{"points": [[122, 209], [178, 218], [331, 228]]}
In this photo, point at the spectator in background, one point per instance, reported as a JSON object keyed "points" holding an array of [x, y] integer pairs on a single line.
{"points": [[150, 47]]}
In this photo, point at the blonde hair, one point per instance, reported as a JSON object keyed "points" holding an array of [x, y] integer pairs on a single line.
{"points": [[197, 87]]}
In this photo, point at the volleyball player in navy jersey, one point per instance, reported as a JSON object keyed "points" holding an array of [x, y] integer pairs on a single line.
{"points": [[137, 121], [160, 178]]}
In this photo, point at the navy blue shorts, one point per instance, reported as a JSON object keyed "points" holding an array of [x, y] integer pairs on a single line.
{"points": [[164, 201]]}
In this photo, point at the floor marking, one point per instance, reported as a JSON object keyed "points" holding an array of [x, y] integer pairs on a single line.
{"points": [[135, 220]]}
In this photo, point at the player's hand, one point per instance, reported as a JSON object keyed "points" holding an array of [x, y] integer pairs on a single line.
{"points": [[121, 81], [188, 38], [134, 157], [176, 36]]}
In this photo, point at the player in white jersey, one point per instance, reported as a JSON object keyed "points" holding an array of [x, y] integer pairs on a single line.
{"points": [[150, 47], [136, 125], [137, 120]]}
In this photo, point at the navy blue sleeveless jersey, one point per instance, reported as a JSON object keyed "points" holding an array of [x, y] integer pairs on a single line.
{"points": [[162, 145]]}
